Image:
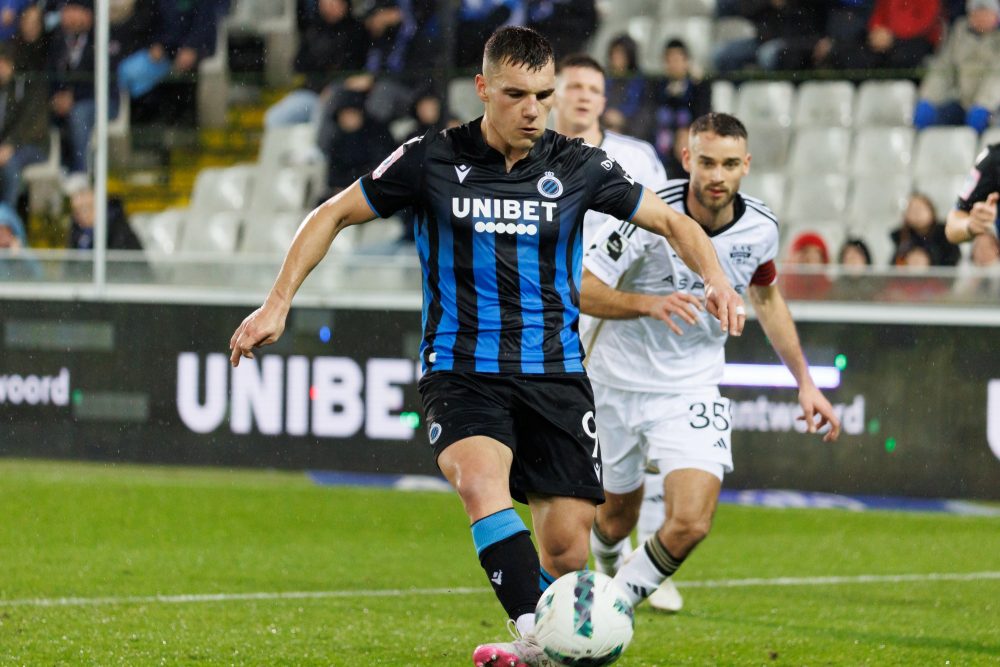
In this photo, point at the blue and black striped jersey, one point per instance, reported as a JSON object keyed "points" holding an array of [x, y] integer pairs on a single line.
{"points": [[501, 252]]}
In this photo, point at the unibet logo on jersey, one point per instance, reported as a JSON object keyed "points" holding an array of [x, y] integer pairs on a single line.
{"points": [[504, 216]]}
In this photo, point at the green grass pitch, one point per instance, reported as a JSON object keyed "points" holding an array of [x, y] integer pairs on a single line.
{"points": [[391, 578]]}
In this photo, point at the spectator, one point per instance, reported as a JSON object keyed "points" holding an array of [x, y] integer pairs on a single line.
{"points": [[136, 25], [16, 260], [921, 229], [567, 24], [807, 252], [405, 48], [187, 37], [82, 214], [72, 70], [787, 34], [333, 44], [359, 142], [626, 111], [854, 253], [678, 98], [962, 84], [980, 274], [426, 111], [901, 33], [24, 126], [10, 12]]}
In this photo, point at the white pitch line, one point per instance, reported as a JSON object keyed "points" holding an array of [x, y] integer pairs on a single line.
{"points": [[399, 592]]}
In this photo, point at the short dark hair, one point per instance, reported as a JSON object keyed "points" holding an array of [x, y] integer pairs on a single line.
{"points": [[721, 124], [627, 44], [579, 60], [518, 46], [861, 246], [674, 43]]}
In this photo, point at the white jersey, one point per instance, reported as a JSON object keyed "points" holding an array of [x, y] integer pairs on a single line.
{"points": [[643, 354], [639, 159]]}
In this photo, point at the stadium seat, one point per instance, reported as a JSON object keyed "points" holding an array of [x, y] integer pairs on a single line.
{"points": [[732, 28], [213, 82], [945, 150], [989, 137], [674, 9], [885, 103], [723, 96], [882, 150], [275, 236], [219, 233], [816, 199], [463, 102], [942, 190], [825, 103], [768, 146], [820, 150], [694, 31], [878, 202], [766, 103], [222, 189], [285, 145], [769, 187], [159, 232]]}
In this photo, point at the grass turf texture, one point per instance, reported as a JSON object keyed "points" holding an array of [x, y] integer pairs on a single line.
{"points": [[92, 531]]}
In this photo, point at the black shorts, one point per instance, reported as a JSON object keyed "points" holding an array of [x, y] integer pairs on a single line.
{"points": [[546, 420]]}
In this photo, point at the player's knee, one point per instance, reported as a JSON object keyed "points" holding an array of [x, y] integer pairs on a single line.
{"points": [[567, 557], [688, 531], [618, 526]]}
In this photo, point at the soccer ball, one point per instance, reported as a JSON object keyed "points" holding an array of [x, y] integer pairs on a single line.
{"points": [[584, 620]]}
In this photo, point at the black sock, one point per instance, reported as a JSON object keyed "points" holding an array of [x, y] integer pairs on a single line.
{"points": [[513, 569]]}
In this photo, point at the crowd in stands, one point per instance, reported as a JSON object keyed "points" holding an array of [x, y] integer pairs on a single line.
{"points": [[372, 73]]}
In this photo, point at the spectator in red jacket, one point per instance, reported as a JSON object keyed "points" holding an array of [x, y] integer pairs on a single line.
{"points": [[901, 33]]}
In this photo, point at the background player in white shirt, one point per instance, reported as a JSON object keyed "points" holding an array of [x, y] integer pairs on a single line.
{"points": [[656, 359]]}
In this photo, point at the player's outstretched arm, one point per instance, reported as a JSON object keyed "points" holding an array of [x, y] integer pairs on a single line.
{"points": [[776, 319], [311, 243], [695, 249], [963, 226], [599, 299]]}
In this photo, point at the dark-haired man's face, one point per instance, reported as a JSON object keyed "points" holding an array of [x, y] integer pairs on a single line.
{"points": [[518, 101], [580, 99], [716, 165]]}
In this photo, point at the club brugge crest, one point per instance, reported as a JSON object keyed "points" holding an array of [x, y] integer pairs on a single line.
{"points": [[550, 186]]}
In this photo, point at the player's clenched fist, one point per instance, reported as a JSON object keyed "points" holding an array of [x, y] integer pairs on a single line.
{"points": [[982, 217], [261, 327], [722, 301]]}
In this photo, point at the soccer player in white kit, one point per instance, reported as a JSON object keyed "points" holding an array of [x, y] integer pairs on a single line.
{"points": [[579, 103], [656, 359]]}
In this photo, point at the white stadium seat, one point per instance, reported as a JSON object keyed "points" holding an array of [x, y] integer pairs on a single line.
{"points": [[463, 102], [816, 199], [766, 103], [989, 137], [878, 202], [945, 150], [882, 150], [272, 235], [225, 189], [942, 190], [820, 150], [769, 146], [217, 233], [732, 28], [886, 103], [674, 9], [723, 96], [825, 103], [160, 232]]}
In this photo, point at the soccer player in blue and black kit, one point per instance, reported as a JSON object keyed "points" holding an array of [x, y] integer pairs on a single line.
{"points": [[499, 208]]}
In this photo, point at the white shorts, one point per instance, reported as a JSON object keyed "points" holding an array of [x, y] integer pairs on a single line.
{"points": [[691, 430]]}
